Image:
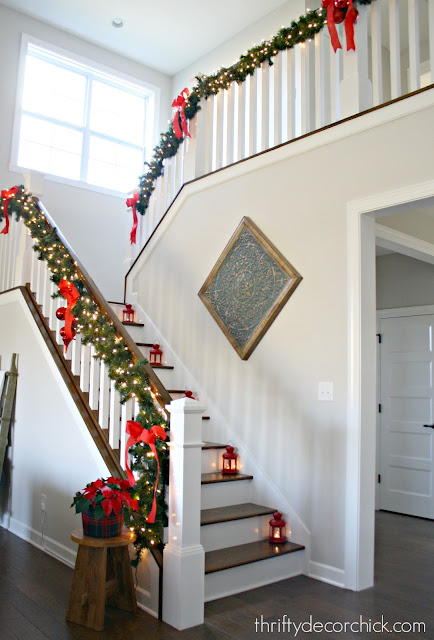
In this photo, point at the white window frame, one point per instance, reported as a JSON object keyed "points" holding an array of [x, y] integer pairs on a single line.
{"points": [[151, 111]]}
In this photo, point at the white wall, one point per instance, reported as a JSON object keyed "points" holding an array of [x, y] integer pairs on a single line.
{"points": [[94, 224], [298, 197], [52, 452], [230, 51], [404, 282]]}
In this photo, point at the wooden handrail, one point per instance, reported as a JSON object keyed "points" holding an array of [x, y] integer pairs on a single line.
{"points": [[158, 389]]}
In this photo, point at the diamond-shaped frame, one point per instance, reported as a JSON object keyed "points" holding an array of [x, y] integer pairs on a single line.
{"points": [[247, 287]]}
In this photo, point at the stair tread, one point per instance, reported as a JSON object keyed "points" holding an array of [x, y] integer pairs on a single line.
{"points": [[162, 366], [246, 554], [145, 344], [209, 478], [213, 445], [233, 512], [133, 324]]}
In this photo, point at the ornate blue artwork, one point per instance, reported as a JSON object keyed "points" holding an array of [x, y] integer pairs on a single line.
{"points": [[247, 287]]}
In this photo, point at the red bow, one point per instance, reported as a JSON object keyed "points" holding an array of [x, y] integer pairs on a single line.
{"points": [[6, 196], [335, 13], [179, 104], [132, 202], [148, 436], [68, 291]]}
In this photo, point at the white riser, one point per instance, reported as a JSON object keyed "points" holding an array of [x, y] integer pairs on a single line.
{"points": [[250, 576], [228, 534], [225, 494], [212, 460]]}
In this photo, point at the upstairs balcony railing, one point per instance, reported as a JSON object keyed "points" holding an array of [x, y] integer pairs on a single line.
{"points": [[306, 88]]}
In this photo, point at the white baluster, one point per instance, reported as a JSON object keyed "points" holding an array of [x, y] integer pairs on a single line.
{"points": [[230, 124], [220, 137], [307, 97], [288, 89], [24, 257], [34, 272], [252, 139], [242, 120], [94, 377], [76, 355], [395, 50], [265, 81], [85, 367], [413, 45], [335, 60], [204, 137], [356, 88], [127, 413], [46, 297], [276, 99], [104, 398], [115, 417], [431, 37], [377, 61], [322, 84]]}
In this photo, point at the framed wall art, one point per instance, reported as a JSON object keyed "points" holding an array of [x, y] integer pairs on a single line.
{"points": [[247, 287]]}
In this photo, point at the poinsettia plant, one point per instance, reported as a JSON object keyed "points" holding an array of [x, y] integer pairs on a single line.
{"points": [[107, 496]]}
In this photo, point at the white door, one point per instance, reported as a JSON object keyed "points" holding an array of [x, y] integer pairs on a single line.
{"points": [[406, 449]]}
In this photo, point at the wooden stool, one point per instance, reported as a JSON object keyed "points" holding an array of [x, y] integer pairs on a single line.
{"points": [[102, 575]]}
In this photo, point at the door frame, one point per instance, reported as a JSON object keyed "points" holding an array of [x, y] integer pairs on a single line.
{"points": [[361, 405], [383, 314]]}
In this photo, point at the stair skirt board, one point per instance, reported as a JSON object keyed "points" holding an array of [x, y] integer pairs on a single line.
{"points": [[250, 576]]}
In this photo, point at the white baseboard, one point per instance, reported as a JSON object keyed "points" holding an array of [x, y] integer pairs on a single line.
{"points": [[143, 600], [50, 546], [326, 573]]}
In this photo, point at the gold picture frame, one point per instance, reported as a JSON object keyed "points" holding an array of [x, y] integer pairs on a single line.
{"points": [[247, 287]]}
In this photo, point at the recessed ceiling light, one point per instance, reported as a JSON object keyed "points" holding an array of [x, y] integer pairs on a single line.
{"points": [[118, 23]]}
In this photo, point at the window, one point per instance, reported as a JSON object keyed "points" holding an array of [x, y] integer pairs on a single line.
{"points": [[79, 123]]}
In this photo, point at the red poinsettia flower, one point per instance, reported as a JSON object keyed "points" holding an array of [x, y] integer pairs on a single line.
{"points": [[107, 496]]}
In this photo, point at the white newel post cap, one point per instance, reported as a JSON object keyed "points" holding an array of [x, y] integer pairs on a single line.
{"points": [[185, 431]]}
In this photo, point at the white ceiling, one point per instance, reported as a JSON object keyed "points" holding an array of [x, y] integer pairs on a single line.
{"points": [[167, 35]]}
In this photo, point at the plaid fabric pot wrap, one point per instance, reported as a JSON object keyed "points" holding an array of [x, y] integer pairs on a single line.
{"points": [[107, 527]]}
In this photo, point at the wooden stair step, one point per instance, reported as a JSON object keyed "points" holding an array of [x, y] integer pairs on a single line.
{"points": [[206, 418], [212, 478], [234, 512], [133, 324], [213, 445], [162, 366], [246, 554], [145, 344]]}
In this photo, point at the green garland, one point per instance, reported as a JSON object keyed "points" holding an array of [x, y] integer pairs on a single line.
{"points": [[305, 29], [130, 378]]}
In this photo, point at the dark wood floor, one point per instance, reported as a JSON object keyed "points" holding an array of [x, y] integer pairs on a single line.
{"points": [[34, 594]]}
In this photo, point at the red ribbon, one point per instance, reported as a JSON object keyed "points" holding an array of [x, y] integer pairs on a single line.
{"points": [[350, 19], [179, 104], [70, 293], [132, 202], [138, 434], [6, 196]]}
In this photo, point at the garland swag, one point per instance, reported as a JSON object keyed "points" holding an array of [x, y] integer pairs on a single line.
{"points": [[130, 379], [305, 29]]}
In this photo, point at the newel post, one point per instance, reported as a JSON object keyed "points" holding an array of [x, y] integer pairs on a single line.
{"points": [[356, 88], [184, 556]]}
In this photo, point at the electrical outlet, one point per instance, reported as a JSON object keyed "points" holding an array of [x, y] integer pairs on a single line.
{"points": [[43, 502], [325, 391]]}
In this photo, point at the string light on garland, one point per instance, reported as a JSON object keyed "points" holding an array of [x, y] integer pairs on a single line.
{"points": [[129, 376], [302, 31]]}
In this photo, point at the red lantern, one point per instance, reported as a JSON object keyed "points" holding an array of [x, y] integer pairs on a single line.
{"points": [[277, 528], [155, 355], [229, 461], [128, 314]]}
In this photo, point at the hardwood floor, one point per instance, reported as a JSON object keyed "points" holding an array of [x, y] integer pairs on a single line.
{"points": [[34, 590]]}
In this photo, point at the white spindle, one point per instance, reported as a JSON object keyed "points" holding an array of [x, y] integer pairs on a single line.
{"points": [[205, 118], [58, 302], [24, 257], [276, 100], [377, 61], [289, 97], [127, 413], [85, 367], [321, 80], [51, 310], [230, 124], [395, 52], [265, 82], [94, 376], [431, 36], [242, 118], [46, 298], [76, 355], [335, 60], [252, 137], [306, 93], [413, 45], [34, 271], [356, 88], [115, 417], [220, 137], [104, 398]]}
